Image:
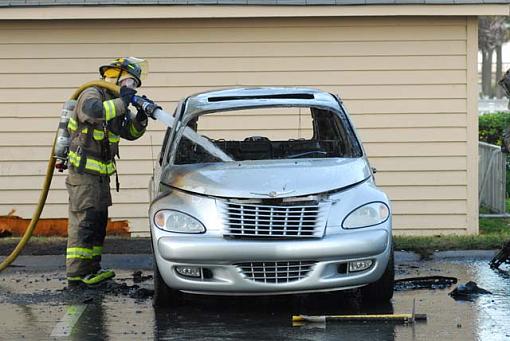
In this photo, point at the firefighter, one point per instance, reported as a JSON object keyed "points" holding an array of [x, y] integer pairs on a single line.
{"points": [[503, 256], [505, 84], [101, 119]]}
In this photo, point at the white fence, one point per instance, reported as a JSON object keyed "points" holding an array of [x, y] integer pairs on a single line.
{"points": [[491, 177], [486, 105]]}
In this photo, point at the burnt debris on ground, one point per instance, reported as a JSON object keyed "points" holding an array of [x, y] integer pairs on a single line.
{"points": [[427, 282], [56, 291], [109, 288], [138, 277], [468, 291]]}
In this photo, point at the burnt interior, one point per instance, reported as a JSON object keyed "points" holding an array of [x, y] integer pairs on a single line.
{"points": [[332, 137], [250, 149]]}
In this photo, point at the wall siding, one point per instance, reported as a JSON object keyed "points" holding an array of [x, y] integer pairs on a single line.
{"points": [[404, 80]]}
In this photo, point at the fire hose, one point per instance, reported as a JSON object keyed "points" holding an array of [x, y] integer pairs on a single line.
{"points": [[47, 180]]}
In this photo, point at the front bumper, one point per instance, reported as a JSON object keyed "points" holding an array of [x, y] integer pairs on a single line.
{"points": [[220, 256]]}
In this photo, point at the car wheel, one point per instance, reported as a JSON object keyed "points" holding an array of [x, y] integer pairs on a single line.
{"points": [[164, 296], [382, 289]]}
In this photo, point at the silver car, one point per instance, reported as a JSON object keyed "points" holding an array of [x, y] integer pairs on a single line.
{"points": [[263, 191]]}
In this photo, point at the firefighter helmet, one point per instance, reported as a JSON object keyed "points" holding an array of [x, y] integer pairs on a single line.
{"points": [[121, 68]]}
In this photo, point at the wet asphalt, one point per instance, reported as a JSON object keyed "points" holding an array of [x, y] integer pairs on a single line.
{"points": [[36, 304]]}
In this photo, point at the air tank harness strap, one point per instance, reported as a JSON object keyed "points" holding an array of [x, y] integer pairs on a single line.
{"points": [[80, 151], [117, 183]]}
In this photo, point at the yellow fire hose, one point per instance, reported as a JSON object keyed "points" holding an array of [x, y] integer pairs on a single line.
{"points": [[47, 181]]}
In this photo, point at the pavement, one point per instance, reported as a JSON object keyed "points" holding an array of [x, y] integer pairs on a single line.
{"points": [[57, 246], [36, 304]]}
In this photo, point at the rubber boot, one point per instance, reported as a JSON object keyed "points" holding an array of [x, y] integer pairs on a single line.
{"points": [[92, 279]]}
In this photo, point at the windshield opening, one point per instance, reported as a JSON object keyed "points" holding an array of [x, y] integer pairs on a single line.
{"points": [[267, 134]]}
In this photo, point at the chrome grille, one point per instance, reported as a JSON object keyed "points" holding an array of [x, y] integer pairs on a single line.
{"points": [[276, 272], [270, 221]]}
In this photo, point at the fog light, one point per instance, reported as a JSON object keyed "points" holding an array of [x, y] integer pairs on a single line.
{"points": [[360, 265], [189, 271]]}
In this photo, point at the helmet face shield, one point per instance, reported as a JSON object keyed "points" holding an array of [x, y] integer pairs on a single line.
{"points": [[113, 73]]}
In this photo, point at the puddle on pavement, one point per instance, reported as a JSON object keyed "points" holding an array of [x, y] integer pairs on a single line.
{"points": [[33, 305]]}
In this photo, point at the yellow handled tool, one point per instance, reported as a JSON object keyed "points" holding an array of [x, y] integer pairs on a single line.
{"points": [[407, 318], [299, 320]]}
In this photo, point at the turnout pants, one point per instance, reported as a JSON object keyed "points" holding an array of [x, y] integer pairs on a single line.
{"points": [[89, 198]]}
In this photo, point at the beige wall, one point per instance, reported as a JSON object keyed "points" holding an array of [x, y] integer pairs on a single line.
{"points": [[407, 81]]}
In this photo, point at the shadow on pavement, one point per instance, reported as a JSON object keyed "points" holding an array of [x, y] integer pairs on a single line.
{"points": [[270, 318]]}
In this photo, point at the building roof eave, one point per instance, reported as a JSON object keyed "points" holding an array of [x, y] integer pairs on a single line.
{"points": [[247, 11]]}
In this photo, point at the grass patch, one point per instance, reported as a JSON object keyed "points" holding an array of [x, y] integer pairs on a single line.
{"points": [[494, 225], [426, 246], [493, 233]]}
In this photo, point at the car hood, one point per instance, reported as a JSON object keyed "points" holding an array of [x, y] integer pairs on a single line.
{"points": [[267, 179]]}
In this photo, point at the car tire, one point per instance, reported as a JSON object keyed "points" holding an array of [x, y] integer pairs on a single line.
{"points": [[164, 296], [382, 289]]}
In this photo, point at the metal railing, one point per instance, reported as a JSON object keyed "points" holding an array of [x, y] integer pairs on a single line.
{"points": [[491, 177]]}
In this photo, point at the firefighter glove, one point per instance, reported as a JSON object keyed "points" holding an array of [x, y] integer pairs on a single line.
{"points": [[141, 117], [127, 94]]}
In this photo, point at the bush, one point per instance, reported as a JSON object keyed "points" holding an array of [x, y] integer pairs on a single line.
{"points": [[491, 127]]}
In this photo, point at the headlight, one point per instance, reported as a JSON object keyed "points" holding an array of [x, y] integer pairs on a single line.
{"points": [[367, 215], [175, 221]]}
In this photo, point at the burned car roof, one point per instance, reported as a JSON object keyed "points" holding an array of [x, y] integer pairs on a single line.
{"points": [[246, 98]]}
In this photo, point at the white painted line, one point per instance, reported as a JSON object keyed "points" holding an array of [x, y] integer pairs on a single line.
{"points": [[65, 326]]}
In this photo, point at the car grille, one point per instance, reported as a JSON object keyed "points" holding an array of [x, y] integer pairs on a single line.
{"points": [[276, 272], [275, 221]]}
